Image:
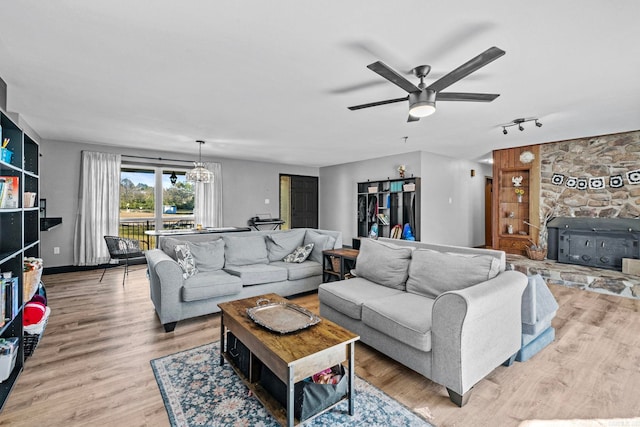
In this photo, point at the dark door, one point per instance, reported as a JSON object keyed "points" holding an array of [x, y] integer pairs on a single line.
{"points": [[488, 208], [304, 201]]}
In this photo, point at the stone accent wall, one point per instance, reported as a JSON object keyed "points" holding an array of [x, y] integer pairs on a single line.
{"points": [[601, 156]]}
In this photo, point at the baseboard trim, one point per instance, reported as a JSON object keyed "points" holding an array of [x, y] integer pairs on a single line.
{"points": [[76, 268]]}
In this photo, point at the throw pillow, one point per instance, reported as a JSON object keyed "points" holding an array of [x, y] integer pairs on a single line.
{"points": [[432, 273], [320, 242], [279, 245], [245, 250], [383, 263], [208, 256], [300, 254], [185, 260]]}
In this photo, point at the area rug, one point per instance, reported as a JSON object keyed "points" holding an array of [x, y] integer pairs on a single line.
{"points": [[197, 391]]}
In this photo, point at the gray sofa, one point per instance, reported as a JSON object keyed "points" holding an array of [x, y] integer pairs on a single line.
{"points": [[229, 266], [452, 314]]}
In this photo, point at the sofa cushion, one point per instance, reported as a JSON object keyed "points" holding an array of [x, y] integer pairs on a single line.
{"points": [[383, 263], [245, 250], [297, 271], [210, 284], [300, 254], [432, 273], [347, 296], [185, 261], [405, 317], [279, 245], [320, 242], [256, 274], [168, 246], [208, 256]]}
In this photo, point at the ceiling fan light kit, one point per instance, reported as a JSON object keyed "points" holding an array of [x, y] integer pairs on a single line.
{"points": [[422, 104], [519, 122], [422, 98]]}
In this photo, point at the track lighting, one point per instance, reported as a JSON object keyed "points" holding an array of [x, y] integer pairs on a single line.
{"points": [[519, 122]]}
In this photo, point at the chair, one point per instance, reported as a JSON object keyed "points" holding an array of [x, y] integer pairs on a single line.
{"points": [[121, 249]]}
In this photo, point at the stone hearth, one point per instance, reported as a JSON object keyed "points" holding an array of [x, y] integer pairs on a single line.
{"points": [[576, 276]]}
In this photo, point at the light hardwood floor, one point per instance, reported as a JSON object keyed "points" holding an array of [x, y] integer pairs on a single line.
{"points": [[92, 365]]}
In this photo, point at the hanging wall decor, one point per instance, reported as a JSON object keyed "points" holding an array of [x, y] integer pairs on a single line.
{"points": [[616, 181], [634, 176], [557, 179], [596, 183]]}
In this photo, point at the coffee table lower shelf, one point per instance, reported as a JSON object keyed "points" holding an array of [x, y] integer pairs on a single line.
{"points": [[269, 402]]}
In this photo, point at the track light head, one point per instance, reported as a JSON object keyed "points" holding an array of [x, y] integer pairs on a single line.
{"points": [[504, 130], [538, 124], [520, 127]]}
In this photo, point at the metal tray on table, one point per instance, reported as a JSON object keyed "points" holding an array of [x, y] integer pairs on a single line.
{"points": [[282, 317]]}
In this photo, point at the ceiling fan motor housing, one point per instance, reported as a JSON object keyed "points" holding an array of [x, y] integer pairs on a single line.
{"points": [[423, 103]]}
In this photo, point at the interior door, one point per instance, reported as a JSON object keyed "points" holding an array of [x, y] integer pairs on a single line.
{"points": [[303, 196]]}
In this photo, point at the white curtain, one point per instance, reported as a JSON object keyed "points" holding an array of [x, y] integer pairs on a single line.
{"points": [[98, 207], [208, 204]]}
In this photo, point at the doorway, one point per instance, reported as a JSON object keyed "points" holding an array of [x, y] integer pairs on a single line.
{"points": [[488, 209], [299, 201]]}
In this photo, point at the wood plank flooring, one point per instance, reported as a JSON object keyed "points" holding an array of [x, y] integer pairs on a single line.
{"points": [[92, 365]]}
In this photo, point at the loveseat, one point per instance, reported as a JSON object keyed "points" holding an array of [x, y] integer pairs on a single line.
{"points": [[190, 274], [452, 314]]}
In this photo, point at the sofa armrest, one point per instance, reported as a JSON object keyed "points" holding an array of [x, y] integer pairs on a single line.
{"points": [[165, 280], [474, 330]]}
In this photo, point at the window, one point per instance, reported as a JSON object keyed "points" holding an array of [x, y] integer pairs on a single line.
{"points": [[154, 198]]}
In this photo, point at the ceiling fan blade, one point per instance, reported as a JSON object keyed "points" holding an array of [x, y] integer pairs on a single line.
{"points": [[393, 76], [460, 96], [467, 68], [373, 104], [412, 118]]}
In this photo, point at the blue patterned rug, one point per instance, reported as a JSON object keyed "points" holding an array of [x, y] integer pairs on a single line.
{"points": [[197, 391]]}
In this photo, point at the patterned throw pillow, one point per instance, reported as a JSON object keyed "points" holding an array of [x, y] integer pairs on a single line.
{"points": [[185, 260], [300, 254]]}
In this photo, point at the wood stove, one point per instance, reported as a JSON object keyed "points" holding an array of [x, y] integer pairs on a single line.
{"points": [[594, 242]]}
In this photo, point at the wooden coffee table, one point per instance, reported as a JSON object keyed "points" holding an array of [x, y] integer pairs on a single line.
{"points": [[291, 357]]}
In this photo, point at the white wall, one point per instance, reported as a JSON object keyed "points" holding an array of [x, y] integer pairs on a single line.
{"points": [[460, 222], [246, 185]]}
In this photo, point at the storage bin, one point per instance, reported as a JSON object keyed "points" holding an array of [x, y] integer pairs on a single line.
{"points": [[309, 398], [33, 333], [409, 187], [373, 189], [8, 355], [30, 282], [6, 155], [238, 354]]}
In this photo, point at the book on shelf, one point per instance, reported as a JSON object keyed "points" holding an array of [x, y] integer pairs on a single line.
{"points": [[10, 189], [10, 291]]}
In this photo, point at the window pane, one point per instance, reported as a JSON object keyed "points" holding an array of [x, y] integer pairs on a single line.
{"points": [[137, 202], [137, 193], [177, 200]]}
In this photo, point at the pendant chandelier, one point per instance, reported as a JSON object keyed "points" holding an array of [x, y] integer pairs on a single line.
{"points": [[199, 173]]}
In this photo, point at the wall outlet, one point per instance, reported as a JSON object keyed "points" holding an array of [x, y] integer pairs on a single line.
{"points": [[267, 201], [56, 250]]}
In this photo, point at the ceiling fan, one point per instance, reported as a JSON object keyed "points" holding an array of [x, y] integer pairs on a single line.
{"points": [[422, 98]]}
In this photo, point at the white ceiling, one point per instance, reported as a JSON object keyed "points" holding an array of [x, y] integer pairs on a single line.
{"points": [[267, 80]]}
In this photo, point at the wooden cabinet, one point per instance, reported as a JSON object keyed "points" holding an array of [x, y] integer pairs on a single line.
{"points": [[516, 199], [387, 203], [19, 228]]}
